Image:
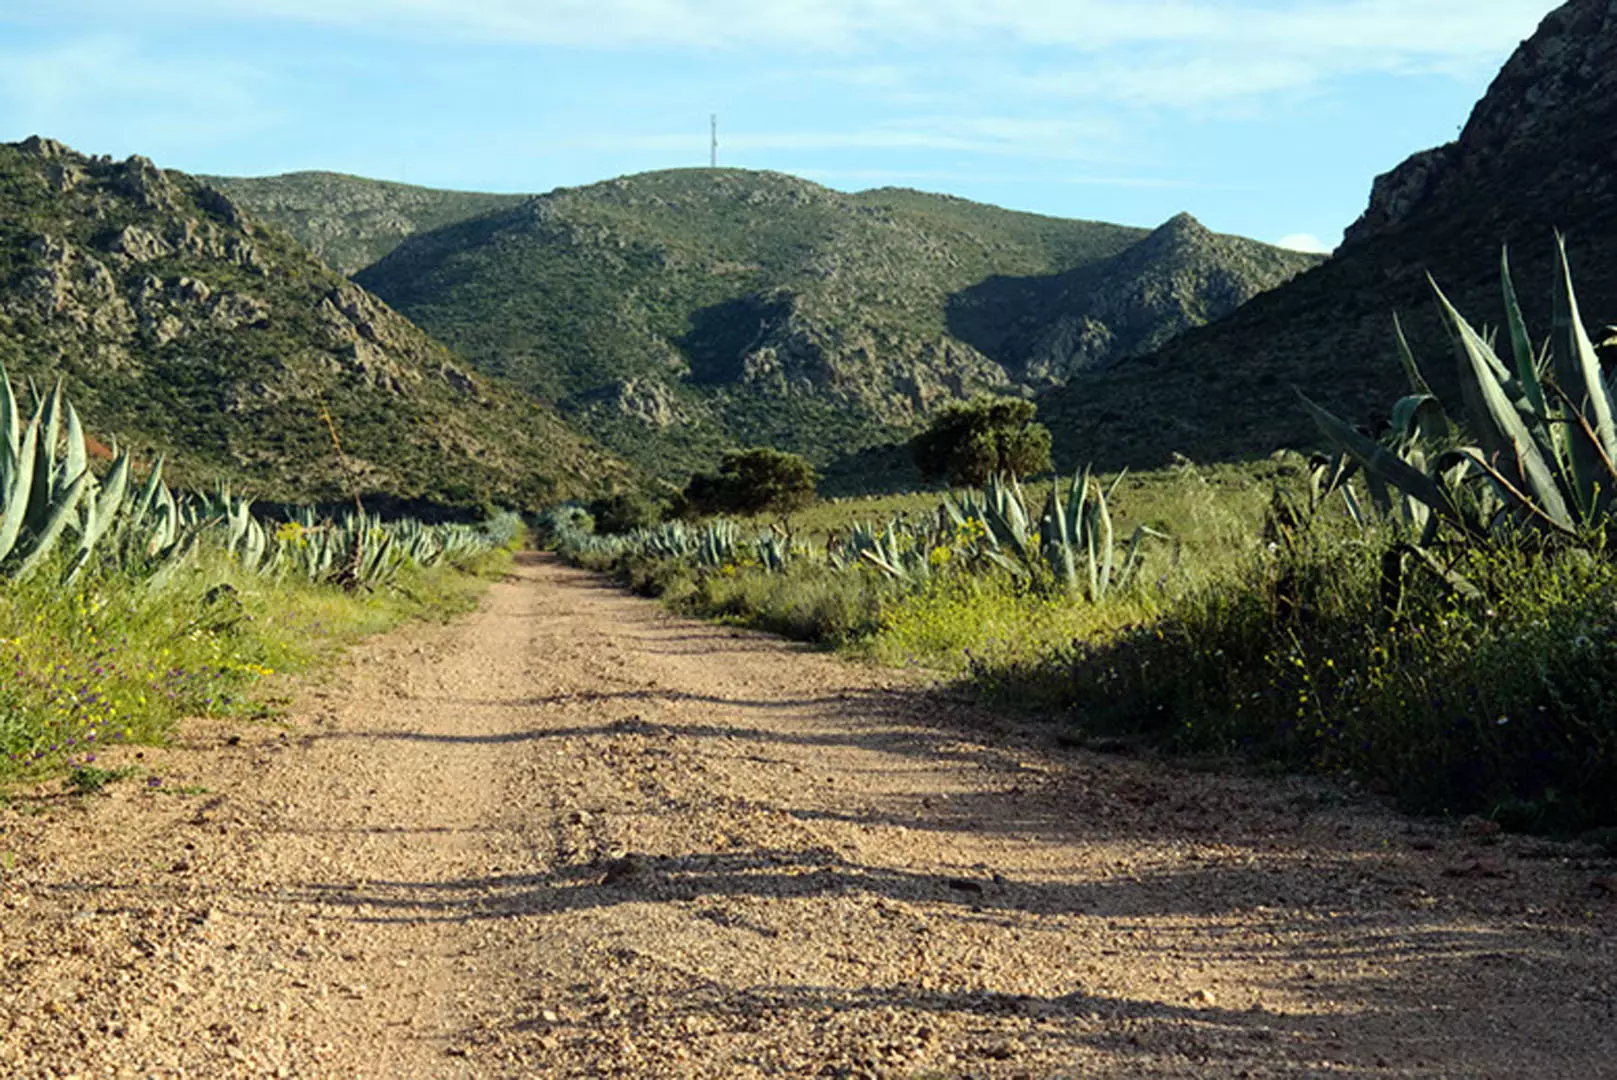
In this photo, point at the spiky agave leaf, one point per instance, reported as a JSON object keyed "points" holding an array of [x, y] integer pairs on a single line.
{"points": [[76, 459], [1577, 373], [101, 507], [40, 544], [10, 434], [1383, 466], [14, 509], [1513, 451], [1521, 345], [1406, 355], [44, 491]]}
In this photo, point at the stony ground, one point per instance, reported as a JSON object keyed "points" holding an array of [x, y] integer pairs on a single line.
{"points": [[574, 836]]}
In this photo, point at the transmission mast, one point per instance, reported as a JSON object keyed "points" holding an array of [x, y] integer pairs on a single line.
{"points": [[713, 158]]}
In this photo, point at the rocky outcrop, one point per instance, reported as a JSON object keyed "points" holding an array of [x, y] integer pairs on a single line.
{"points": [[1554, 99], [648, 402], [185, 329], [1536, 157]]}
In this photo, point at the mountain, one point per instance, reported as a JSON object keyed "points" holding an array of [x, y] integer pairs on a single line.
{"points": [[184, 328], [674, 314], [1536, 156], [1045, 330], [350, 221]]}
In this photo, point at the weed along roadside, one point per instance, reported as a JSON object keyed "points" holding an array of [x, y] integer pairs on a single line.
{"points": [[1417, 616], [126, 606]]}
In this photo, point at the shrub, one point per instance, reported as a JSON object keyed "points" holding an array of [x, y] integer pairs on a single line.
{"points": [[970, 442], [625, 512], [1503, 707], [758, 481]]}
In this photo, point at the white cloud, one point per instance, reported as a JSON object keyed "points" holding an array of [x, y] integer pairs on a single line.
{"points": [[1148, 53], [1173, 54], [1304, 242]]}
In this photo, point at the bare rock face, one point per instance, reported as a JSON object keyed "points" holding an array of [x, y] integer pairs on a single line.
{"points": [[139, 245], [1552, 102], [70, 284], [145, 182], [648, 402]]}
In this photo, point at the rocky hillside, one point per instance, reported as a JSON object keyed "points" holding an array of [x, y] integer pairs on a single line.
{"points": [[350, 221], [1536, 156], [675, 313], [184, 328]]}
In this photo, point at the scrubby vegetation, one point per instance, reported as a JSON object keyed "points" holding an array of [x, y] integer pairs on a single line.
{"points": [[676, 314], [125, 605], [188, 331], [970, 442], [757, 481], [1430, 619]]}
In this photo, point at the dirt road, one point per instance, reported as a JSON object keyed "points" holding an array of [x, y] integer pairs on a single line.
{"points": [[572, 835]]}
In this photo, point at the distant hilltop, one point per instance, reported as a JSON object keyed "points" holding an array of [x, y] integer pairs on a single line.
{"points": [[673, 314]]}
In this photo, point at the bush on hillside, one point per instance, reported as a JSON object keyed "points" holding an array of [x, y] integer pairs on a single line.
{"points": [[759, 481], [626, 511], [970, 442]]}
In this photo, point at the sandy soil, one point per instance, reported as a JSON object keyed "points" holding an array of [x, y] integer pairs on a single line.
{"points": [[574, 836]]}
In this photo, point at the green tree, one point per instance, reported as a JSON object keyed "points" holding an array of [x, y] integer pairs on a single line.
{"points": [[758, 481], [626, 511], [970, 441]]}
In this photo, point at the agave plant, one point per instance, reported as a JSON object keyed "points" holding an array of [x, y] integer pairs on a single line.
{"points": [[1077, 540], [900, 550], [1545, 431], [40, 481], [1072, 538]]}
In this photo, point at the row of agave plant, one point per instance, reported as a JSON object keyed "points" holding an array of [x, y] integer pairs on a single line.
{"points": [[1071, 543], [710, 546], [56, 512], [1533, 455]]}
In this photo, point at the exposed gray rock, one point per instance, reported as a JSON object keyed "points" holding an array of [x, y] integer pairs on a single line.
{"points": [[76, 287], [139, 245], [1568, 68], [41, 147], [647, 401]]}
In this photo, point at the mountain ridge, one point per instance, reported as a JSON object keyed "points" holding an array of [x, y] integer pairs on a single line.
{"points": [[1534, 158], [352, 221], [673, 314], [186, 329]]}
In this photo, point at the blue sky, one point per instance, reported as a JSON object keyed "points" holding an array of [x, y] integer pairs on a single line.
{"points": [[1267, 118]]}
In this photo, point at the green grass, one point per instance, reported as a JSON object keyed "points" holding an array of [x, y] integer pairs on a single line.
{"points": [[111, 662]]}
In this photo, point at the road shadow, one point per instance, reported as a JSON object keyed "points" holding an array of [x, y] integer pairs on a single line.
{"points": [[1356, 979]]}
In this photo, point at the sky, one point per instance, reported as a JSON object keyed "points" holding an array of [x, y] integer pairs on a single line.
{"points": [[1266, 118]]}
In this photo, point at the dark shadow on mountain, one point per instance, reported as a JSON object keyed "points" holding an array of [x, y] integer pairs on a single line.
{"points": [[722, 335]]}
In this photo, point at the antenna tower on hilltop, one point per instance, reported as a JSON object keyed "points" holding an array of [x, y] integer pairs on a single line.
{"points": [[713, 158]]}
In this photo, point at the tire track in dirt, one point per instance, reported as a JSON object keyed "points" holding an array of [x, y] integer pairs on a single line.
{"points": [[572, 835]]}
